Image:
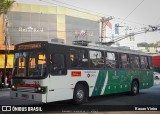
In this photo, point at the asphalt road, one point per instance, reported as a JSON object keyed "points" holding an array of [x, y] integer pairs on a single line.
{"points": [[149, 97]]}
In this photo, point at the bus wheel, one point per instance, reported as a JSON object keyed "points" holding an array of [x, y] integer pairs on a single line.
{"points": [[134, 88], [80, 95]]}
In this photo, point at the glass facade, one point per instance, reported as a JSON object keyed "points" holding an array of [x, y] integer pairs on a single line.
{"points": [[28, 22], [26, 26], [81, 29]]}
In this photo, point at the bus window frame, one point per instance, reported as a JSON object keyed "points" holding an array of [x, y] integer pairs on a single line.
{"points": [[33, 50], [75, 49], [116, 59], [65, 64], [148, 64], [120, 62], [96, 68], [138, 61]]}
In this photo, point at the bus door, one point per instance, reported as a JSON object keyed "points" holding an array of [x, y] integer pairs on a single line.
{"points": [[58, 80]]}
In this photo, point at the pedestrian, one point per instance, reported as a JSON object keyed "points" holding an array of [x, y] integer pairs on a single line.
{"points": [[3, 79], [1, 73], [9, 78]]}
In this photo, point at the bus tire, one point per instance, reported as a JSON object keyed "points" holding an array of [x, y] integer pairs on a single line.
{"points": [[80, 94], [134, 88]]}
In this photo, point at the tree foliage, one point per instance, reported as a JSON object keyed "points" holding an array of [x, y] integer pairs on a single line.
{"points": [[5, 5], [145, 44]]}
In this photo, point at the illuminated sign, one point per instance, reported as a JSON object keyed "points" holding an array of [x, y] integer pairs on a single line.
{"points": [[83, 33], [30, 29], [29, 46], [76, 73]]}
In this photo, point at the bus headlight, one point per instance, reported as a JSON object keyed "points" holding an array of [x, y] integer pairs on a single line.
{"points": [[14, 88], [41, 89]]}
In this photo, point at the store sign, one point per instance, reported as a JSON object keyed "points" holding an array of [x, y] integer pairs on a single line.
{"points": [[82, 33], [30, 29]]}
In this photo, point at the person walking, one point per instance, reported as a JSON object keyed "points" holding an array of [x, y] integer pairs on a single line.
{"points": [[1, 74], [9, 79]]}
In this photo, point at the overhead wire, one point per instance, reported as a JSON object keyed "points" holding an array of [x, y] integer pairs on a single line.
{"points": [[100, 13], [129, 15], [89, 11]]}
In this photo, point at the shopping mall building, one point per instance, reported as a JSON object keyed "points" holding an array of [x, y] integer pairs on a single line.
{"points": [[29, 22]]}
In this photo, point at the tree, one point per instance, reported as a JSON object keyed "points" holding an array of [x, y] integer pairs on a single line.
{"points": [[143, 44], [5, 5]]}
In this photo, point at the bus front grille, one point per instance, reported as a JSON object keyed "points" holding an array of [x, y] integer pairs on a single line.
{"points": [[26, 89]]}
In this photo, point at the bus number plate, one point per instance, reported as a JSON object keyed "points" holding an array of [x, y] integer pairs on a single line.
{"points": [[25, 96]]}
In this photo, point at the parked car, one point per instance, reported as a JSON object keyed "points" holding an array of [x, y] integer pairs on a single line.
{"points": [[156, 75]]}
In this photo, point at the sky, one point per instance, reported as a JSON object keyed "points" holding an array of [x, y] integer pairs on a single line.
{"points": [[133, 13]]}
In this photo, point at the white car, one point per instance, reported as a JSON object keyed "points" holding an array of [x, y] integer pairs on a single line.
{"points": [[156, 75]]}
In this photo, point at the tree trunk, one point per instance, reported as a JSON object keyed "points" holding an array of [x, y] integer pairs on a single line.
{"points": [[5, 35]]}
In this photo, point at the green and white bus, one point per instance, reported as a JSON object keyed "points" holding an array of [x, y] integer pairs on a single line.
{"points": [[49, 72]]}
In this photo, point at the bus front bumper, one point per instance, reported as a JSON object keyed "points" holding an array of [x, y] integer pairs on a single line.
{"points": [[28, 96]]}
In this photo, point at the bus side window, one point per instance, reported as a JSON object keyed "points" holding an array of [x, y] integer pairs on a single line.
{"points": [[134, 61], [57, 64], [144, 62], [96, 59], [110, 60], [149, 62], [78, 58], [124, 61]]}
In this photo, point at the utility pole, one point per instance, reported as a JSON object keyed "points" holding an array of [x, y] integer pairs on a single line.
{"points": [[105, 21], [149, 29]]}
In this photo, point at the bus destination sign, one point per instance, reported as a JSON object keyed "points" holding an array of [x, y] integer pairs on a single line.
{"points": [[29, 46]]}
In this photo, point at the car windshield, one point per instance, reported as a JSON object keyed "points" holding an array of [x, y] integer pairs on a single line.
{"points": [[29, 64]]}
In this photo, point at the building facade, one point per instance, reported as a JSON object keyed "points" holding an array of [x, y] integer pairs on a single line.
{"points": [[29, 22]]}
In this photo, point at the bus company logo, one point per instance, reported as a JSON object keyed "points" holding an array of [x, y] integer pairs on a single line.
{"points": [[6, 108], [91, 75], [115, 73], [88, 75]]}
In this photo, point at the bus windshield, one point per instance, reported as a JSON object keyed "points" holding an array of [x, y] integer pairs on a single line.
{"points": [[29, 64]]}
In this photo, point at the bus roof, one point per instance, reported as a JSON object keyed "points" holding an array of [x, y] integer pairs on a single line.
{"points": [[95, 46], [105, 48]]}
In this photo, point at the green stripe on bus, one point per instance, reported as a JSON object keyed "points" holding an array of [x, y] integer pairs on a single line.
{"points": [[99, 83]]}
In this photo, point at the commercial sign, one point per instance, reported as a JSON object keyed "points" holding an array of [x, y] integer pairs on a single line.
{"points": [[82, 33], [30, 29]]}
